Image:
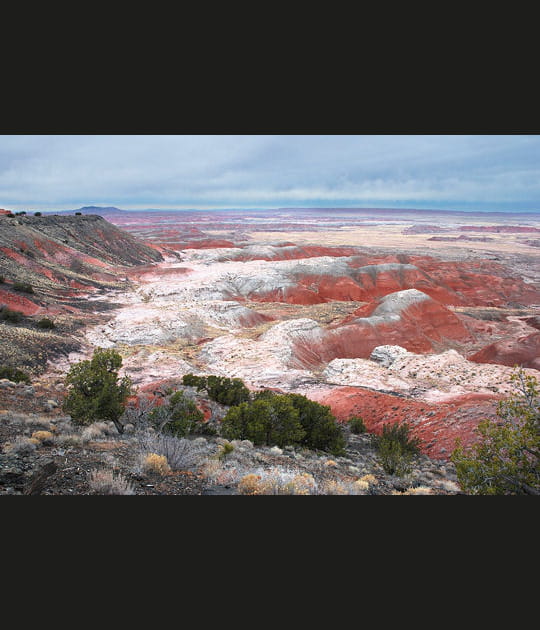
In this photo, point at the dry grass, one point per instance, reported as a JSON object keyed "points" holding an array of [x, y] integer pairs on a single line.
{"points": [[155, 463], [21, 446], [106, 482], [44, 437]]}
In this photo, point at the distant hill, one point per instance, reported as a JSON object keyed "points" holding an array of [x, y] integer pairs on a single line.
{"points": [[89, 210]]}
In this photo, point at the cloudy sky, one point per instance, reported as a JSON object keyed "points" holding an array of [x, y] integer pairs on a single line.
{"points": [[56, 172]]}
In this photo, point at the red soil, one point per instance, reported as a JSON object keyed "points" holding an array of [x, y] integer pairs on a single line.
{"points": [[523, 351], [437, 425], [422, 327], [477, 283], [18, 303]]}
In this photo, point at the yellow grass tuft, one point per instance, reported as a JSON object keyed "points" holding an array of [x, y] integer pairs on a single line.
{"points": [[42, 436], [156, 463]]}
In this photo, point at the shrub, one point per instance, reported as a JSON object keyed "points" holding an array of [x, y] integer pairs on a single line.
{"points": [[157, 464], [179, 417], [357, 425], [37, 214], [15, 375], [250, 484], [321, 429], [78, 214], [272, 421], [23, 446], [23, 287], [95, 391], [45, 437], [225, 449], [396, 448], [194, 381], [180, 453], [223, 390], [277, 481], [505, 461], [9, 315], [106, 482], [94, 431], [46, 323]]}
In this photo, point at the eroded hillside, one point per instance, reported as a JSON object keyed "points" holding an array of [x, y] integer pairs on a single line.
{"points": [[50, 267]]}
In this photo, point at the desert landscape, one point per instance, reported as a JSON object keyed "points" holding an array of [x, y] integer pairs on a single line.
{"points": [[410, 316]]}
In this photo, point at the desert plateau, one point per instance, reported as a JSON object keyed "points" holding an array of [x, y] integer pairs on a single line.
{"points": [[394, 316]]}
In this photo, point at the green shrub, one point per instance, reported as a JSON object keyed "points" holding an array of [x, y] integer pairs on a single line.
{"points": [[223, 390], [271, 422], [316, 427], [37, 214], [396, 449], [322, 431], [225, 449], [357, 425], [24, 287], [179, 416], [9, 315], [194, 381], [506, 460], [95, 391], [46, 323], [14, 374]]}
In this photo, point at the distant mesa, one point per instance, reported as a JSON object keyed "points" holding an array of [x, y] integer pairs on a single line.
{"points": [[89, 210]]}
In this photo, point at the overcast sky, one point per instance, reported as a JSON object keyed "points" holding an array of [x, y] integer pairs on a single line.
{"points": [[270, 171]]}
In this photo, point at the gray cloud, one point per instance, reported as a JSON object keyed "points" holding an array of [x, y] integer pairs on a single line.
{"points": [[42, 172]]}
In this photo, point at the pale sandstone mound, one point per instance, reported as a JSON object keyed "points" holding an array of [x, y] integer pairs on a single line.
{"points": [[433, 377], [145, 366], [168, 322], [386, 355], [409, 318], [268, 360]]}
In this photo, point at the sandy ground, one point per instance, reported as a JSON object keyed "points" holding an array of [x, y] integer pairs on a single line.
{"points": [[391, 236]]}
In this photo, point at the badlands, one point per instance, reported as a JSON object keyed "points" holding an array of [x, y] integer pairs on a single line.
{"points": [[362, 310]]}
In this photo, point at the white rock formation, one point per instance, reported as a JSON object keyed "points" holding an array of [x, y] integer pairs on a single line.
{"points": [[386, 355]]}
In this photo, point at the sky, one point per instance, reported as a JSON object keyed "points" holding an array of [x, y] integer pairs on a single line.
{"points": [[449, 172]]}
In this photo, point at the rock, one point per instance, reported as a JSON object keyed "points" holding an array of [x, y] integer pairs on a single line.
{"points": [[386, 355], [275, 450]]}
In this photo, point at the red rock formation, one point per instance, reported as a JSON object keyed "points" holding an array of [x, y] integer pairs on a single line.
{"points": [[18, 302], [409, 319], [437, 425], [523, 351], [477, 283]]}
